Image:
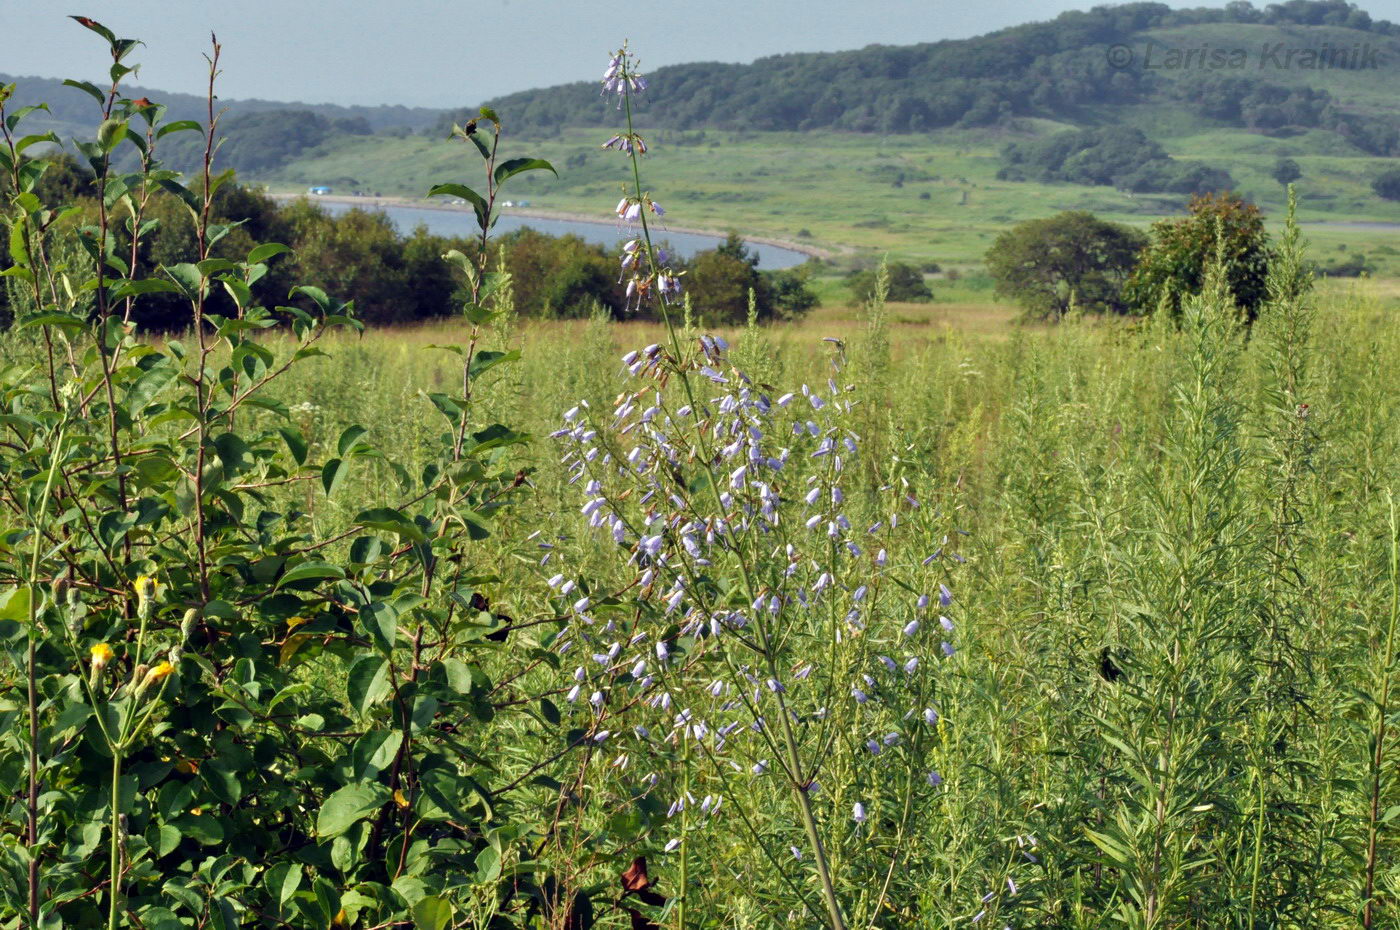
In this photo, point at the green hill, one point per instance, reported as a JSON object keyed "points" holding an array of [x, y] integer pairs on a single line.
{"points": [[71, 111], [1239, 67]]}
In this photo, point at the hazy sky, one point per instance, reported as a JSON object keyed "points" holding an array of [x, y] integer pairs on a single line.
{"points": [[439, 53]]}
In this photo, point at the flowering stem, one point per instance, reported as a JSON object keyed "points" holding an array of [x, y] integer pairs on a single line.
{"points": [[31, 677], [114, 864], [685, 833], [796, 779]]}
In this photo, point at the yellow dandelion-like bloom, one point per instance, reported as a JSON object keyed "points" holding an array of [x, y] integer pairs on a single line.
{"points": [[101, 655], [162, 670]]}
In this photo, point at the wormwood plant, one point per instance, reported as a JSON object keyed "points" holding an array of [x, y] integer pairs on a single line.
{"points": [[217, 709]]}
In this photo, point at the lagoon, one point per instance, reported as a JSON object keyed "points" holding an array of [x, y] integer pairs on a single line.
{"points": [[463, 223]]}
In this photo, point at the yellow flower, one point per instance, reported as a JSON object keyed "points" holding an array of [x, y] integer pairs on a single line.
{"points": [[399, 798], [145, 586], [162, 670], [101, 655]]}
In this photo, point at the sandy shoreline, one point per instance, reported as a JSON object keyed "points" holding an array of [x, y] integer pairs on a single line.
{"points": [[424, 204]]}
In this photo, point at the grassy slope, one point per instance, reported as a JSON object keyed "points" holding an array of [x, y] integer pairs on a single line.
{"points": [[840, 187]]}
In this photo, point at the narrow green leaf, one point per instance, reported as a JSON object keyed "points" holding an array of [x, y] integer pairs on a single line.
{"points": [[333, 475], [89, 88], [183, 125], [350, 438], [392, 521], [145, 286], [265, 251], [311, 571], [509, 169], [296, 445]]}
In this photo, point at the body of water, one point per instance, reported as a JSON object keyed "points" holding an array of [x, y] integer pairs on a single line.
{"points": [[463, 223]]}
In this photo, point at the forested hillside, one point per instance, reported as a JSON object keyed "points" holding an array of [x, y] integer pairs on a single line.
{"points": [[1070, 69], [70, 109]]}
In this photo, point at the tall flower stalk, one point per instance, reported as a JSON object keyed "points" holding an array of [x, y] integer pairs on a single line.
{"points": [[730, 509], [623, 79]]}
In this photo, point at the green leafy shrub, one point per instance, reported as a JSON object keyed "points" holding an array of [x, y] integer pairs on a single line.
{"points": [[905, 283], [1223, 228], [1118, 155], [1285, 171], [721, 281], [1387, 184], [239, 709]]}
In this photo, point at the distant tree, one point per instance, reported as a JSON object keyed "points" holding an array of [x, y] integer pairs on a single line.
{"points": [[1286, 171], [560, 276], [1387, 185], [906, 284], [736, 248], [719, 283], [792, 295], [1071, 258], [61, 178], [1174, 265]]}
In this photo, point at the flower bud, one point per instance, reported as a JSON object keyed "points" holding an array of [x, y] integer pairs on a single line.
{"points": [[187, 625], [60, 588], [146, 589]]}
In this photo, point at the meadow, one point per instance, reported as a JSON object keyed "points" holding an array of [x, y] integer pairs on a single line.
{"points": [[1171, 703], [900, 616]]}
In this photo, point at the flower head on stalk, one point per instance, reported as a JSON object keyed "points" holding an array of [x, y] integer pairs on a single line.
{"points": [[621, 79], [101, 655], [645, 267]]}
